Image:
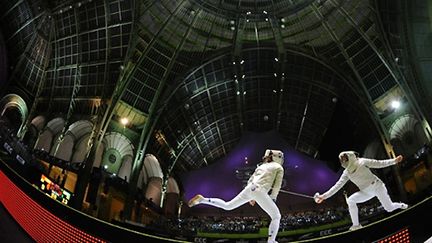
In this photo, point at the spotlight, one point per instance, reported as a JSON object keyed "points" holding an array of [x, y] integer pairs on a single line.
{"points": [[395, 104], [124, 121]]}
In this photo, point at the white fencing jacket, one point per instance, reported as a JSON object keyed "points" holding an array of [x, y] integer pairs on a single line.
{"points": [[362, 177], [268, 176]]}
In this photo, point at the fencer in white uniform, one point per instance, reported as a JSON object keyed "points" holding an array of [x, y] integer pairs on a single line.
{"points": [[357, 170], [267, 176]]}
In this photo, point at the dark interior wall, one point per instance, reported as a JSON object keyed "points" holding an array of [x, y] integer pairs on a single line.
{"points": [[3, 61]]}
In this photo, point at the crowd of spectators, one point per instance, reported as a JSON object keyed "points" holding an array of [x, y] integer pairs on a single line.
{"points": [[306, 219], [241, 225], [213, 224]]}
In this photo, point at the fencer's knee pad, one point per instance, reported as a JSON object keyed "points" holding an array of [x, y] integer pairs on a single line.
{"points": [[276, 216], [351, 202]]}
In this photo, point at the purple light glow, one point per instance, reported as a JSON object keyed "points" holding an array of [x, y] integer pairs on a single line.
{"points": [[303, 174]]}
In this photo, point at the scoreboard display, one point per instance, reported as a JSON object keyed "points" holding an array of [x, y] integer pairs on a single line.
{"points": [[54, 191]]}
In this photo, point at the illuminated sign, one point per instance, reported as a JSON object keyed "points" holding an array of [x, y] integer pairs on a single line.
{"points": [[54, 191], [21, 160], [40, 224], [8, 148], [402, 236]]}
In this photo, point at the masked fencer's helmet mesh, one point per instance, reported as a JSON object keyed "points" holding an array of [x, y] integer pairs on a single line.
{"points": [[348, 157], [350, 154], [277, 155]]}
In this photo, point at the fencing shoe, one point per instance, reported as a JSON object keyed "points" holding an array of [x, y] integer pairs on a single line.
{"points": [[355, 227], [195, 200]]}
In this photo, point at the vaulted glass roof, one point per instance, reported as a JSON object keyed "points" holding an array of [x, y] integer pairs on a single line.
{"points": [[197, 74]]}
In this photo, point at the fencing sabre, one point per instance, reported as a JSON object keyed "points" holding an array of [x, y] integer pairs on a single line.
{"points": [[300, 194], [296, 194]]}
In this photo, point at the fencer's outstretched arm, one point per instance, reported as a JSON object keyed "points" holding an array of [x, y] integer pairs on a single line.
{"points": [[277, 183], [337, 186], [373, 163]]}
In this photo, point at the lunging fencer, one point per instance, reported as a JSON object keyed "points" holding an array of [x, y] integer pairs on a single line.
{"points": [[268, 175], [358, 171]]}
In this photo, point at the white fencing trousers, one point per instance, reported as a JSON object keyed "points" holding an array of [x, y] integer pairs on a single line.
{"points": [[251, 192], [377, 189]]}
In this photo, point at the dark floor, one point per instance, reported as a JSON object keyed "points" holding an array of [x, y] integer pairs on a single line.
{"points": [[413, 218], [10, 231]]}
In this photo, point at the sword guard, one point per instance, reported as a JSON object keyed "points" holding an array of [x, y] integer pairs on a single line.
{"points": [[315, 197]]}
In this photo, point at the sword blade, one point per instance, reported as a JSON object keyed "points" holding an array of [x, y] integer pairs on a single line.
{"points": [[296, 194]]}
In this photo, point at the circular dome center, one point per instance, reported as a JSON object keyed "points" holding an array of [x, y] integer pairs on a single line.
{"points": [[232, 8]]}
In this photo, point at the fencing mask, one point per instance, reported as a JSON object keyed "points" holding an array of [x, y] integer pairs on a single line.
{"points": [[349, 160], [277, 155]]}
